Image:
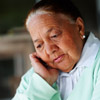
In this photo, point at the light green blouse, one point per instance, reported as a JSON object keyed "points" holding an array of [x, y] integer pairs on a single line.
{"points": [[33, 87]]}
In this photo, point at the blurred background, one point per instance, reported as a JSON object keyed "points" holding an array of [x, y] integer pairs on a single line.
{"points": [[16, 44]]}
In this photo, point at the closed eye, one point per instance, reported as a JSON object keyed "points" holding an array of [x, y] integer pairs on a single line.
{"points": [[54, 36], [39, 46]]}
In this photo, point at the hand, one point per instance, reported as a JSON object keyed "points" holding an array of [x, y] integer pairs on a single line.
{"points": [[48, 74]]}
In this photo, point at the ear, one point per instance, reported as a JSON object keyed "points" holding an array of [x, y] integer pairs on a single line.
{"points": [[80, 24]]}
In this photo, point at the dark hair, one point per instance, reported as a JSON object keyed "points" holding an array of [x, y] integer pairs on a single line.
{"points": [[58, 6]]}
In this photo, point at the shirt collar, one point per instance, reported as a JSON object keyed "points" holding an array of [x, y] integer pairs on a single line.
{"points": [[89, 53]]}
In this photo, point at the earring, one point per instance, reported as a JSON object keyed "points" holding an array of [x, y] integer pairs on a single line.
{"points": [[84, 36]]}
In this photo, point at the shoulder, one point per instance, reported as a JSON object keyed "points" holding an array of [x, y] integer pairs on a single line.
{"points": [[28, 74], [96, 69], [97, 59], [25, 79]]}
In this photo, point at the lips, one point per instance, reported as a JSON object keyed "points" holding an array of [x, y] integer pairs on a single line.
{"points": [[58, 59]]}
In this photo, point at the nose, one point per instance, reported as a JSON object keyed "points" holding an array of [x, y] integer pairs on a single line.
{"points": [[50, 48]]}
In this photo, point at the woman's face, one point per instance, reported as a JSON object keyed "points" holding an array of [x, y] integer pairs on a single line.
{"points": [[57, 40]]}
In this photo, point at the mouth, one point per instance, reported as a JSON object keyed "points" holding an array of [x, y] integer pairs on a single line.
{"points": [[59, 58]]}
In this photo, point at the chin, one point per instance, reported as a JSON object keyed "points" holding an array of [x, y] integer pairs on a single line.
{"points": [[64, 67]]}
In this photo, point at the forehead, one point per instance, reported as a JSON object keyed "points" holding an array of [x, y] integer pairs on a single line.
{"points": [[47, 18], [41, 23], [44, 19]]}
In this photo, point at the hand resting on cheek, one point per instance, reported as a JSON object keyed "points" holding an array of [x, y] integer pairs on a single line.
{"points": [[48, 74]]}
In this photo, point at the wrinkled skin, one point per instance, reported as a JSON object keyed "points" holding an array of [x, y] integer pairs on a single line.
{"points": [[58, 41]]}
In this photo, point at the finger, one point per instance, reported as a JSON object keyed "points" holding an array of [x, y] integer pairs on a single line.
{"points": [[33, 57], [36, 54], [38, 66]]}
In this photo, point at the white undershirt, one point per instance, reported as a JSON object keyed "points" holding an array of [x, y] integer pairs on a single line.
{"points": [[67, 81]]}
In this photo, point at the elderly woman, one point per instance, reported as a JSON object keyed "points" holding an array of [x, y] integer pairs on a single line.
{"points": [[66, 64]]}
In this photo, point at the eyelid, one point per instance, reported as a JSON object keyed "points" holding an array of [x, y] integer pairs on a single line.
{"points": [[56, 34], [53, 36], [39, 45]]}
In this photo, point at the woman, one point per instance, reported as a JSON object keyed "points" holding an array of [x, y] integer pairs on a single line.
{"points": [[66, 64]]}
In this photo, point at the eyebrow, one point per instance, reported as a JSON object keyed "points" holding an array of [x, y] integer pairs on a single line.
{"points": [[36, 40], [48, 31]]}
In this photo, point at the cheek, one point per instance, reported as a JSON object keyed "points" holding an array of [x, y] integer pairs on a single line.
{"points": [[69, 47], [65, 45], [43, 56]]}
